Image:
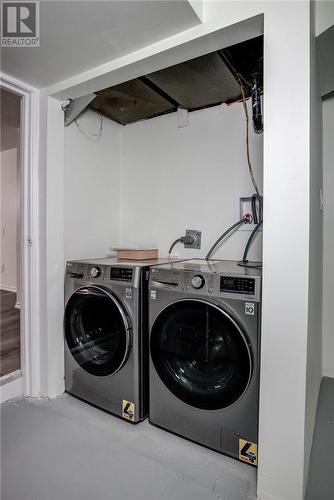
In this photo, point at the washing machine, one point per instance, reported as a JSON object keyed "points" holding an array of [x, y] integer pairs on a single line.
{"points": [[204, 319], [106, 334]]}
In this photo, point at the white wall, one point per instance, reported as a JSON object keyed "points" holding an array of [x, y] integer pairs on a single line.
{"points": [[188, 178], [314, 340], [324, 20], [92, 188], [282, 475], [10, 198], [51, 246], [328, 265]]}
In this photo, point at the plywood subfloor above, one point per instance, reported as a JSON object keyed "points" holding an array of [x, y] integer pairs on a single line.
{"points": [[199, 83]]}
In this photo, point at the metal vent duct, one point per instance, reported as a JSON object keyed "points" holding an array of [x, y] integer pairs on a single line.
{"points": [[76, 106]]}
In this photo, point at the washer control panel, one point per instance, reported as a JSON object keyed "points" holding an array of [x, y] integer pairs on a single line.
{"points": [[198, 281], [100, 273], [233, 284], [95, 272], [121, 273]]}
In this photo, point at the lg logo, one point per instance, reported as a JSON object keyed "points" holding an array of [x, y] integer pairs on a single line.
{"points": [[20, 24]]}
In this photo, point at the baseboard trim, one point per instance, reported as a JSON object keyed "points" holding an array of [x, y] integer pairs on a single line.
{"points": [[11, 386], [8, 288]]}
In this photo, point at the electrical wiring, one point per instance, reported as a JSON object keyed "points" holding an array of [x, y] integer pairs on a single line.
{"points": [[251, 266], [250, 240], [258, 220], [250, 168], [187, 239], [257, 217], [173, 245], [229, 63]]}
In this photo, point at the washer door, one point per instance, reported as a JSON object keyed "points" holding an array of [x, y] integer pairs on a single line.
{"points": [[201, 354], [96, 331]]}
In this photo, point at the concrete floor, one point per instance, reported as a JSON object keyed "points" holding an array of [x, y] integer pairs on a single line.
{"points": [[64, 449], [321, 473]]}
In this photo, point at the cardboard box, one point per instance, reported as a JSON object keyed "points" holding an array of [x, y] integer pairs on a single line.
{"points": [[137, 253]]}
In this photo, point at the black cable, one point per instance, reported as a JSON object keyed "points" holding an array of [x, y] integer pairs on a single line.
{"points": [[216, 243], [250, 241], [250, 168], [173, 245], [258, 220], [257, 214], [251, 266]]}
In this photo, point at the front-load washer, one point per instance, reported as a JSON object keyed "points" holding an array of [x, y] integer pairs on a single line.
{"points": [[204, 321], [106, 332]]}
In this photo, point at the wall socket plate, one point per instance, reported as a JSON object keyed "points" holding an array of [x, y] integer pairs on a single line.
{"points": [[198, 239]]}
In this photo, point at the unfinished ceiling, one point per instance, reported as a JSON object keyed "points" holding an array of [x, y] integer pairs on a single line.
{"points": [[202, 82]]}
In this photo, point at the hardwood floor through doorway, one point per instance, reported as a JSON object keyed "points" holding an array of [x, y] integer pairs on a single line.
{"points": [[10, 334]]}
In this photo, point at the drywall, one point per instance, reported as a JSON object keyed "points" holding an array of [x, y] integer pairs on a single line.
{"points": [[314, 350], [9, 218], [328, 266], [51, 182], [281, 475], [92, 188], [178, 178]]}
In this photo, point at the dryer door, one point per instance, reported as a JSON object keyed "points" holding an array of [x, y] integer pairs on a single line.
{"points": [[201, 354], [97, 331]]}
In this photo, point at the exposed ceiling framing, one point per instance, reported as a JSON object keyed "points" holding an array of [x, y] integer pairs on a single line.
{"points": [[205, 81]]}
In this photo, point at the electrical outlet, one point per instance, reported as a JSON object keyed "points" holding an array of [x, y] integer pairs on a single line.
{"points": [[198, 237]]}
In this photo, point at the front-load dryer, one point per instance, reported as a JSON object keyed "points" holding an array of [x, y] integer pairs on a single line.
{"points": [[106, 331], [204, 354]]}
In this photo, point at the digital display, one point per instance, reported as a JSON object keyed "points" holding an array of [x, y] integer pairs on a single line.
{"points": [[121, 274], [232, 284]]}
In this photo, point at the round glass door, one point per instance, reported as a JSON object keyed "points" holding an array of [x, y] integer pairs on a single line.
{"points": [[201, 354], [96, 331]]}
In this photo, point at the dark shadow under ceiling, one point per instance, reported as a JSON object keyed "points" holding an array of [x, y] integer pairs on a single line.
{"points": [[205, 81]]}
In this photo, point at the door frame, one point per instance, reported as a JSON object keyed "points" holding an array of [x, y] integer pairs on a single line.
{"points": [[11, 385]]}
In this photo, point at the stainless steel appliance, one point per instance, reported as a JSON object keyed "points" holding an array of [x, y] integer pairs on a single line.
{"points": [[106, 332], [204, 321]]}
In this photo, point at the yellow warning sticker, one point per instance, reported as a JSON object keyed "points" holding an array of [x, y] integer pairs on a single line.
{"points": [[128, 410], [248, 451]]}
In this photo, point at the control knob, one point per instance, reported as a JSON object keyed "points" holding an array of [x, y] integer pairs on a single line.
{"points": [[198, 281], [95, 272]]}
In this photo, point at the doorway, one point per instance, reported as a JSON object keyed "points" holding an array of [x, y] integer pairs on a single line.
{"points": [[10, 281]]}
